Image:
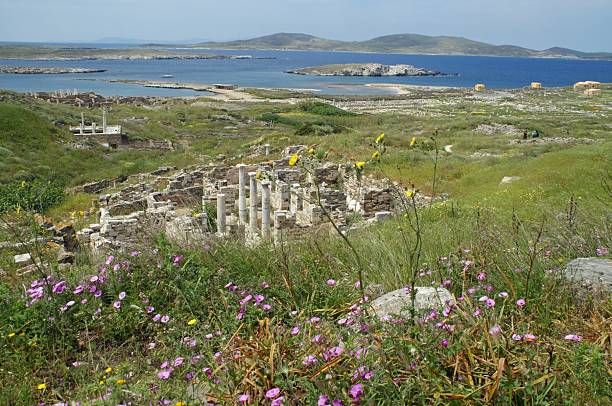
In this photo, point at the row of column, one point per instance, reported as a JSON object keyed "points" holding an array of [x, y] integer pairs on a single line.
{"points": [[242, 205]]}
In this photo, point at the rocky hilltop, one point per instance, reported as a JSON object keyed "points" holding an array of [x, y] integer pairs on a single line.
{"points": [[365, 69]]}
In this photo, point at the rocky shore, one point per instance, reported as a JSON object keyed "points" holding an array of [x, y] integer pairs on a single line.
{"points": [[30, 70], [365, 69]]}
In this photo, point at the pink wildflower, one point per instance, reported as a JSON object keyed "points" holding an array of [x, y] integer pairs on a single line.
{"points": [[331, 282], [490, 303], [309, 360], [272, 393], [601, 251], [117, 304], [165, 319], [520, 303], [295, 331], [503, 295], [165, 374], [573, 338], [495, 331], [517, 337], [121, 295], [244, 398], [356, 392], [277, 401]]}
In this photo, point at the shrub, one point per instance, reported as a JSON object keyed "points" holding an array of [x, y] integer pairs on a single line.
{"points": [[323, 109], [36, 196]]}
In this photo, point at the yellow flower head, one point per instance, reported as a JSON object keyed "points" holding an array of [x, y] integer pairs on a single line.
{"points": [[192, 322], [181, 403], [120, 381], [360, 165], [413, 141], [311, 151], [18, 209], [380, 138], [293, 160], [108, 370], [11, 335], [42, 386], [376, 155], [409, 193], [23, 184]]}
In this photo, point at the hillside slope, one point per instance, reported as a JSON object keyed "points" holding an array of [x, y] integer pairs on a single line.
{"points": [[399, 43]]}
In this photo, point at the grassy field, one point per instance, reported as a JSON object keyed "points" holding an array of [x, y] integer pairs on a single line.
{"points": [[286, 323]]}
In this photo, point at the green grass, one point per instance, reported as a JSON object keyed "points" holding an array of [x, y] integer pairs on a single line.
{"points": [[494, 227]]}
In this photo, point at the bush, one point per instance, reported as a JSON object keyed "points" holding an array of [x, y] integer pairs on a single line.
{"points": [[323, 109], [36, 196]]}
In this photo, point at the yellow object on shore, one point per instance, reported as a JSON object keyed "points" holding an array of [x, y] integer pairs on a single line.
{"points": [[536, 85], [480, 87], [589, 84], [592, 92]]}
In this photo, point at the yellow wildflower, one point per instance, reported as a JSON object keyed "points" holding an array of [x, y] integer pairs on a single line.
{"points": [[181, 403], [42, 386], [192, 322], [82, 213], [376, 155], [360, 165], [380, 138], [23, 184], [409, 193], [120, 381], [11, 335], [293, 160], [18, 209], [413, 141], [22, 334], [108, 370], [311, 151]]}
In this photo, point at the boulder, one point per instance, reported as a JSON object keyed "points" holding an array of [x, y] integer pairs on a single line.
{"points": [[23, 259], [590, 272], [65, 257], [509, 179], [399, 301]]}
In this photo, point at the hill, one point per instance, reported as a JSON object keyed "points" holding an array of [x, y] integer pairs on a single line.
{"points": [[399, 43]]}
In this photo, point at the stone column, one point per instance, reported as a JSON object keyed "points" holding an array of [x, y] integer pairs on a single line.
{"points": [[221, 215], [93, 128], [266, 149], [242, 209], [253, 202], [104, 119], [265, 210], [82, 123]]}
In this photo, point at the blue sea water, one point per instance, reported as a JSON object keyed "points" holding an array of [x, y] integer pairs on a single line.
{"points": [[495, 72]]}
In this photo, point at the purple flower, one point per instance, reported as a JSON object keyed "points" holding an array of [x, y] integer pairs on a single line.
{"points": [[117, 304], [259, 298], [157, 317], [315, 320], [264, 285], [520, 302], [165, 374], [59, 287], [116, 267], [295, 331], [151, 346], [517, 337], [573, 338], [444, 343], [529, 337], [495, 331], [164, 365], [483, 298], [601, 251], [356, 392], [121, 295], [97, 293], [176, 260], [477, 313], [110, 260], [317, 339], [331, 282], [150, 309], [178, 362], [78, 290], [482, 276], [323, 400], [309, 360], [266, 307], [165, 319], [277, 401], [337, 402], [503, 295], [134, 253], [272, 393], [490, 303], [244, 398]]}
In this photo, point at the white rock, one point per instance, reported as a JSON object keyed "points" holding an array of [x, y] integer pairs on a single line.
{"points": [[23, 259], [509, 179], [399, 302], [590, 272]]}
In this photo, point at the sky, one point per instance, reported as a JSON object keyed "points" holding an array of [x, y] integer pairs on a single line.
{"points": [[579, 24]]}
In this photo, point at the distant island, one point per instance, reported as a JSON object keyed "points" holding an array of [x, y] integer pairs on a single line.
{"points": [[57, 53], [400, 43], [365, 69], [30, 70]]}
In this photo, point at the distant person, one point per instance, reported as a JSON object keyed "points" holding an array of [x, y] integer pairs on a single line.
{"points": [[535, 134], [525, 134]]}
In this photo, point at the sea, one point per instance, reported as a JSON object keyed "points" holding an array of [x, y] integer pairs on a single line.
{"points": [[267, 69]]}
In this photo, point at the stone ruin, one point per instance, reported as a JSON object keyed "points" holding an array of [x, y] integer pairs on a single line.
{"points": [[253, 203]]}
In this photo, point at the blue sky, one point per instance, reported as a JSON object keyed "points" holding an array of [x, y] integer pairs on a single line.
{"points": [[579, 24]]}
